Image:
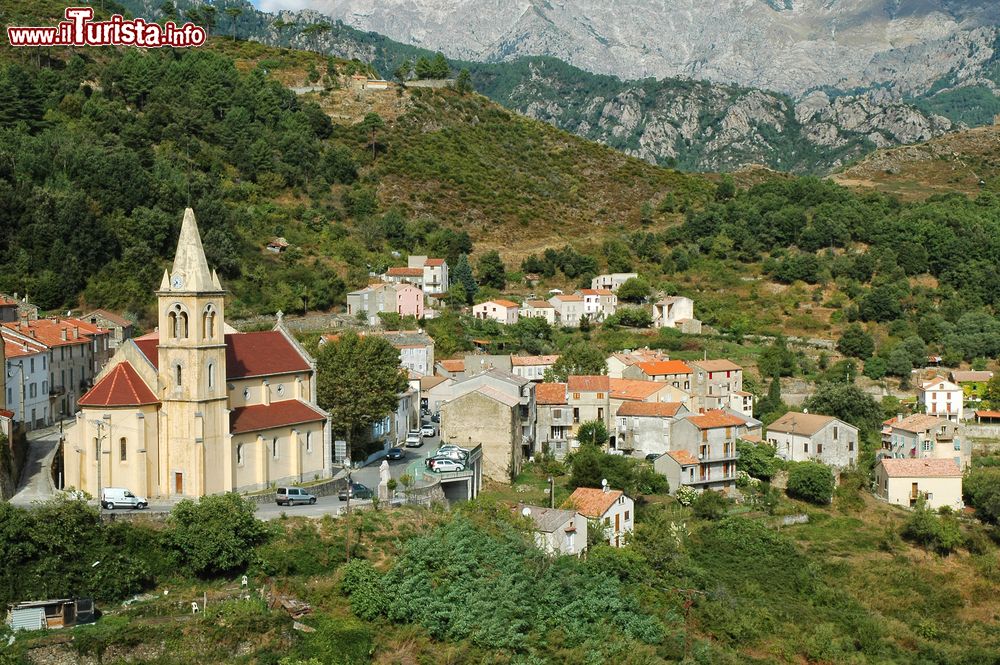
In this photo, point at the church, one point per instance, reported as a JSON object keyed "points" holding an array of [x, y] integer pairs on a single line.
{"points": [[197, 407]]}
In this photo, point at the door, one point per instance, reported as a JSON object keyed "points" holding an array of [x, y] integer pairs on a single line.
{"points": [[178, 482], [618, 518]]}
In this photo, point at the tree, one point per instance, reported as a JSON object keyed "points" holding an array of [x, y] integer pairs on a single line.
{"points": [[856, 342], [439, 67], [358, 381], [591, 465], [234, 14], [635, 289], [981, 489], [464, 82], [847, 402], [372, 123], [810, 481], [492, 272], [593, 433], [216, 535], [462, 274], [580, 360], [632, 317], [422, 68], [758, 459], [899, 363], [941, 534], [992, 392], [875, 368], [404, 71], [710, 505], [777, 359]]}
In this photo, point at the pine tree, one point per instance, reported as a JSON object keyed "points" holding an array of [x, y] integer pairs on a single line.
{"points": [[462, 274]]}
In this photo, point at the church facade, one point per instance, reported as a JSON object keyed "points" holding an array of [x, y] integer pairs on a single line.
{"points": [[196, 407]]}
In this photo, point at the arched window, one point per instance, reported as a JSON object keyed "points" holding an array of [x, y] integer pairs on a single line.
{"points": [[208, 323], [122, 449], [274, 447], [309, 442], [172, 324], [184, 324], [211, 375], [239, 454], [177, 375]]}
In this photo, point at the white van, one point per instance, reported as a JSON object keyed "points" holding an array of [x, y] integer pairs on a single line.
{"points": [[119, 497]]}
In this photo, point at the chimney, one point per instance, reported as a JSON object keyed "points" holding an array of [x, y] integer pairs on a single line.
{"points": [[899, 417], [62, 334], [76, 332]]}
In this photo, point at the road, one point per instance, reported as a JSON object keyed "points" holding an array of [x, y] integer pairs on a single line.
{"points": [[36, 483]]}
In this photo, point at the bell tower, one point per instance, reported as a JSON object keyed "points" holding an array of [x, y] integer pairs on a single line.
{"points": [[192, 367]]}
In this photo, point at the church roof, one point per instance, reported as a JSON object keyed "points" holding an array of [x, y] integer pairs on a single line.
{"points": [[248, 354], [190, 263], [276, 414], [122, 386]]}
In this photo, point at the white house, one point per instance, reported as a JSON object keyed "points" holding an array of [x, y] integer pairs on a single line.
{"points": [[532, 367], [540, 309], [502, 311], [612, 281], [27, 373], [569, 309], [598, 304], [904, 481], [669, 312], [610, 509], [799, 437], [941, 398], [557, 531]]}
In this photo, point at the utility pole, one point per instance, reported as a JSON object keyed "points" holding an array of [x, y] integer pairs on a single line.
{"points": [[349, 490], [100, 424]]}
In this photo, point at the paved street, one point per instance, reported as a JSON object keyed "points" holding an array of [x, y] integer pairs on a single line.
{"points": [[36, 477]]}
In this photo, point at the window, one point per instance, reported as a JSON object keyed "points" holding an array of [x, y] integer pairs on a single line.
{"points": [[178, 375], [274, 447], [32, 390], [556, 414], [239, 454], [835, 432], [309, 442], [607, 521], [31, 363], [246, 393], [208, 323], [576, 395], [805, 447], [600, 395], [927, 446], [626, 515], [122, 449], [850, 446], [958, 444], [576, 415], [600, 413], [819, 448], [281, 389]]}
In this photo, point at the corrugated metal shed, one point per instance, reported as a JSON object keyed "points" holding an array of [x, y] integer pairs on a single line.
{"points": [[27, 618]]}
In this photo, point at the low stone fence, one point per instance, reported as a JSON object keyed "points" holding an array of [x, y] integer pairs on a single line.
{"points": [[325, 488]]}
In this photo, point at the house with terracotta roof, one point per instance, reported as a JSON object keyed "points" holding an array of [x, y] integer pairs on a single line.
{"points": [[800, 437], [532, 367], [119, 327], [26, 390], [609, 510], [942, 398], [193, 409], [588, 398], [398, 298], [557, 532], [568, 309], [554, 427], [675, 372], [539, 309], [973, 384], [680, 467], [644, 427], [709, 437], [924, 436], [617, 362], [452, 367], [714, 384], [905, 481], [598, 304], [428, 274], [500, 310]]}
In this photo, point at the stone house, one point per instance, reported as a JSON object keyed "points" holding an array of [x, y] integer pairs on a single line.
{"points": [[973, 384], [557, 532], [798, 437], [618, 362], [119, 327], [532, 367], [609, 510], [926, 437], [675, 372], [554, 419], [598, 304], [612, 281], [644, 427], [714, 383], [904, 481], [491, 418], [400, 298], [539, 309], [710, 438], [672, 311]]}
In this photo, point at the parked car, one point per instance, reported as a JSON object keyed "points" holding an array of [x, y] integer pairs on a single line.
{"points": [[429, 462], [652, 457], [414, 440], [428, 430], [395, 453], [289, 496], [446, 465], [436, 418], [451, 446], [357, 491], [119, 497], [457, 455]]}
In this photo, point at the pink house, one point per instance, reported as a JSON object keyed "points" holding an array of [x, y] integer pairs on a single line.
{"points": [[503, 311], [403, 299], [409, 301]]}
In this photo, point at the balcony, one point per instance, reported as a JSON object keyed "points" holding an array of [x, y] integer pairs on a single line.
{"points": [[711, 479], [723, 457], [56, 391]]}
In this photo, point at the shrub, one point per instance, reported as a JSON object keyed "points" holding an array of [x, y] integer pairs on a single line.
{"points": [[940, 534], [363, 583], [981, 488], [710, 505], [810, 481], [215, 536], [686, 495], [758, 459]]}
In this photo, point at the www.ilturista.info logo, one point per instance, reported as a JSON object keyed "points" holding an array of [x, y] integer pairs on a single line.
{"points": [[79, 30]]}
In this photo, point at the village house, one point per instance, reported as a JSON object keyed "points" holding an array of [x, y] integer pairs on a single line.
{"points": [[676, 312], [193, 409], [8, 309], [27, 380], [715, 382], [629, 390], [612, 281], [904, 481], [428, 274], [433, 391], [710, 440], [538, 309], [675, 372], [118, 326], [618, 362], [588, 399], [553, 420], [645, 426], [973, 384], [451, 368], [557, 532], [610, 510], [941, 398], [598, 304], [416, 348], [532, 367], [501, 311], [925, 436], [568, 309], [800, 437], [403, 299]]}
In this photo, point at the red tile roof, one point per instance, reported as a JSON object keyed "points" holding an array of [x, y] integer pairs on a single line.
{"points": [[597, 292], [247, 354], [122, 386], [531, 361], [49, 331], [550, 393], [276, 414], [634, 389], [716, 418], [987, 414], [660, 367], [539, 304], [434, 263], [683, 457], [15, 347], [568, 298], [503, 303], [717, 365], [588, 384], [454, 365], [405, 272], [592, 502], [653, 409], [921, 468]]}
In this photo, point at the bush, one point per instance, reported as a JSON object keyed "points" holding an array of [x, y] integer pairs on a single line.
{"points": [[810, 481], [710, 505], [363, 583], [215, 536], [981, 488], [940, 534], [686, 495], [758, 459]]}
